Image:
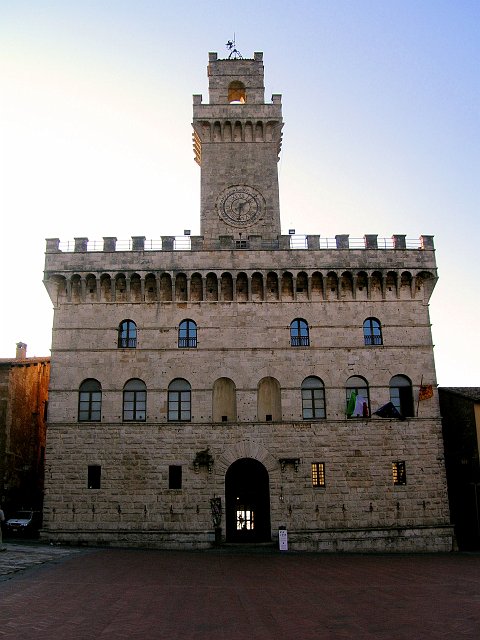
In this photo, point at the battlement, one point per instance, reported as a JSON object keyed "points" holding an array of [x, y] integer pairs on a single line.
{"points": [[342, 242]]}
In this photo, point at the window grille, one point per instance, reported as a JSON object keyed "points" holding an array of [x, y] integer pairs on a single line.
{"points": [[318, 474], [399, 472], [299, 333], [372, 332], [187, 334], [127, 335]]}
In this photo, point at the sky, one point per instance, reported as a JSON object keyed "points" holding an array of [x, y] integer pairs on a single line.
{"points": [[381, 102]]}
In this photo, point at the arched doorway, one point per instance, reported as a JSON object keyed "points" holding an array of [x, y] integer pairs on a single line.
{"points": [[247, 497]]}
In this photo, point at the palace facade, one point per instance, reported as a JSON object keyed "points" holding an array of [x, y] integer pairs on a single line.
{"points": [[216, 388]]}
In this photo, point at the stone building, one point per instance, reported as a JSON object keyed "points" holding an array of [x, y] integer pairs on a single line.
{"points": [[23, 407], [221, 386], [460, 408]]}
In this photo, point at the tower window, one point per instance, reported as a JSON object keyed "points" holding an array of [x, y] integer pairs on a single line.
{"points": [[236, 93]]}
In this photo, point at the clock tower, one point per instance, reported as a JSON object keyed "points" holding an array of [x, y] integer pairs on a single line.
{"points": [[237, 139]]}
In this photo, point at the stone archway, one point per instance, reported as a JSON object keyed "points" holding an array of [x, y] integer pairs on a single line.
{"points": [[247, 498]]}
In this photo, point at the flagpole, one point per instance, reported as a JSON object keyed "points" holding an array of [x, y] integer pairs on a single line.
{"points": [[419, 391]]}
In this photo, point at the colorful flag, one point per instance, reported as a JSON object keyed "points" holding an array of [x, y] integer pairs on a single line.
{"points": [[426, 392]]}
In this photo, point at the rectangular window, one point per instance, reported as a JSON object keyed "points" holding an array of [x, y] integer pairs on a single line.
{"points": [[94, 476], [399, 472], [318, 474], [174, 476]]}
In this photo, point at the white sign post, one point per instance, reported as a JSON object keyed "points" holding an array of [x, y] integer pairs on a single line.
{"points": [[283, 539]]}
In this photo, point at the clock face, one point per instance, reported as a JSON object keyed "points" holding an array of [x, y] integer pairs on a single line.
{"points": [[240, 206]]}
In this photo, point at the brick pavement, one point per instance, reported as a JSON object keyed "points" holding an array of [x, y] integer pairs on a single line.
{"points": [[235, 595]]}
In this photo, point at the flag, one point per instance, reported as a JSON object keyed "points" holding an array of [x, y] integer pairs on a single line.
{"points": [[389, 411], [361, 408], [351, 404], [426, 392]]}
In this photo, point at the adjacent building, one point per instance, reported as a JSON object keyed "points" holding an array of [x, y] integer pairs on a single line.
{"points": [[219, 387], [460, 408], [23, 407]]}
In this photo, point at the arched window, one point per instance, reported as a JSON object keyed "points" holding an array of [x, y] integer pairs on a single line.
{"points": [[127, 334], [372, 331], [90, 401], [401, 395], [179, 401], [187, 334], [299, 336], [236, 92], [224, 407], [134, 401], [357, 398], [269, 401], [313, 398]]}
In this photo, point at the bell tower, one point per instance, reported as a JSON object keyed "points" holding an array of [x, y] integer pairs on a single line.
{"points": [[237, 139]]}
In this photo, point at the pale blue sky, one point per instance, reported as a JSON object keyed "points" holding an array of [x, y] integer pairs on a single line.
{"points": [[382, 134]]}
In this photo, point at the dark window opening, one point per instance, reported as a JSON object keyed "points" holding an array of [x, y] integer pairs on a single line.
{"points": [[268, 417], [94, 476], [401, 395], [174, 476], [224, 418]]}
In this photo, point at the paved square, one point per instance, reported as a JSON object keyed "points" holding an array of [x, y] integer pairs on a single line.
{"points": [[117, 593]]}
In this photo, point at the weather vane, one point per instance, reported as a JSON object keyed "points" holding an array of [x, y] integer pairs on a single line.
{"points": [[234, 52]]}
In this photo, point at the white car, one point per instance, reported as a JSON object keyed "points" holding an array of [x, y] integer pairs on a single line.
{"points": [[24, 522]]}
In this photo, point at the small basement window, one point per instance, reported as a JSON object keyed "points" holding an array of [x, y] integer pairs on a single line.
{"points": [[94, 476], [399, 472], [318, 474], [175, 476]]}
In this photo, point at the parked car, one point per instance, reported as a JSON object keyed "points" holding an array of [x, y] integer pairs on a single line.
{"points": [[25, 522]]}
